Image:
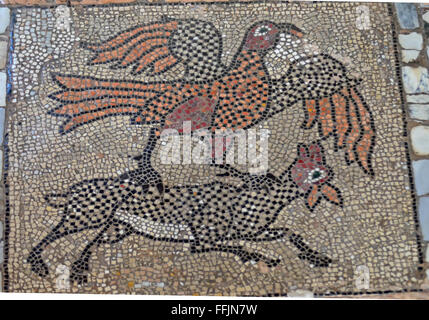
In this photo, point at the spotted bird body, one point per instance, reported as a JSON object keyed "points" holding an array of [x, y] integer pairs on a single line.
{"points": [[214, 96]]}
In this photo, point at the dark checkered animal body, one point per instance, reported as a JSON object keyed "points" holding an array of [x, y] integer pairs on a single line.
{"points": [[213, 217]]}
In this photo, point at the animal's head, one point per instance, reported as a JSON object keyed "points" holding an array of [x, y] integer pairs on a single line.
{"points": [[311, 175], [264, 35]]}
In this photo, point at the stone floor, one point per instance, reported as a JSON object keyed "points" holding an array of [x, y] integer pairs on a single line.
{"points": [[114, 183]]}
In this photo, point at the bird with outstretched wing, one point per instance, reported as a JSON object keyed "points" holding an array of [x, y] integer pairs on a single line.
{"points": [[213, 95]]}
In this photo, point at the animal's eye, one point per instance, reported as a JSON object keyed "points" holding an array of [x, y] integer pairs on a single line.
{"points": [[316, 175], [262, 30]]}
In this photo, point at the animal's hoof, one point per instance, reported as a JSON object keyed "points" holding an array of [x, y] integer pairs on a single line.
{"points": [[316, 260], [78, 272], [258, 257], [38, 266], [79, 278], [273, 262]]}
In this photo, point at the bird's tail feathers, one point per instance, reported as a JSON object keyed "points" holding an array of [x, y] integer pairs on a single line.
{"points": [[85, 99], [345, 116]]}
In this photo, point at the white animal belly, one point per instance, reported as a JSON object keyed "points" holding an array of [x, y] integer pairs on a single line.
{"points": [[155, 229]]}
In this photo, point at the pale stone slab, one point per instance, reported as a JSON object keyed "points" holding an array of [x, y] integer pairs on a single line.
{"points": [[3, 54], [416, 79], [424, 217], [410, 55], [300, 293], [420, 140], [421, 174], [421, 98], [1, 251], [407, 15], [3, 89], [4, 19], [413, 41], [426, 17], [419, 111], [2, 118]]}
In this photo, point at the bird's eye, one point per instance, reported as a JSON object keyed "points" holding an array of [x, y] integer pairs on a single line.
{"points": [[262, 30]]}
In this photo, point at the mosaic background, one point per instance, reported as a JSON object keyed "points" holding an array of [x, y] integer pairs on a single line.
{"points": [[376, 230]]}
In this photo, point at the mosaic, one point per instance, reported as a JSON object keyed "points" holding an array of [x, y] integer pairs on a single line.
{"points": [[208, 149]]}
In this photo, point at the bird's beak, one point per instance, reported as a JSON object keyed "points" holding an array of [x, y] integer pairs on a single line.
{"points": [[292, 29]]}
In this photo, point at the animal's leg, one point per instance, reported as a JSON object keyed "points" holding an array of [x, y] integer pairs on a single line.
{"points": [[146, 174], [244, 255], [38, 266], [113, 232], [250, 181], [81, 265], [153, 175], [229, 170], [116, 232], [270, 234], [308, 254]]}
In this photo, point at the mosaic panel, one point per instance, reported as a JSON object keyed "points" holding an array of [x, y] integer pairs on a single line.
{"points": [[316, 197]]}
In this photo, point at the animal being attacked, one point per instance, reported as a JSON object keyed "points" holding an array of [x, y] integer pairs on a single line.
{"points": [[210, 217]]}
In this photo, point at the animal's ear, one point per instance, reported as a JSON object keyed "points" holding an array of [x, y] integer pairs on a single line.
{"points": [[271, 176], [312, 198], [160, 187], [332, 194], [325, 191], [316, 152], [302, 151]]}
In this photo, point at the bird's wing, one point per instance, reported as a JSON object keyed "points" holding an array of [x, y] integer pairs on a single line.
{"points": [[159, 46], [333, 103], [196, 112], [86, 99]]}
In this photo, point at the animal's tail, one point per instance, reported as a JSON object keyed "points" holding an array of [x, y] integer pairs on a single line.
{"points": [[56, 200], [346, 116]]}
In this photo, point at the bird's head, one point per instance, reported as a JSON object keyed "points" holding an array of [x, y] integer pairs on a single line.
{"points": [[264, 35]]}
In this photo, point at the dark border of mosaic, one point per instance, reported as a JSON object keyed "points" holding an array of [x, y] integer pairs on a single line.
{"points": [[394, 27], [7, 216], [6, 160]]}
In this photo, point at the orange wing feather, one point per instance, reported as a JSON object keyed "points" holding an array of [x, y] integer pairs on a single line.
{"points": [[83, 99], [143, 47], [346, 116]]}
